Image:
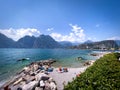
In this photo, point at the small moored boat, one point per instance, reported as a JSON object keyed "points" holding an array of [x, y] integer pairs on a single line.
{"points": [[23, 59]]}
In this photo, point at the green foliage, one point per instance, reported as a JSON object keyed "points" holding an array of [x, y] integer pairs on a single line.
{"points": [[104, 74]]}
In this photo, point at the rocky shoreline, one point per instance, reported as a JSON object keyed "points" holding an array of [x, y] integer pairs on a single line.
{"points": [[35, 76], [41, 75]]}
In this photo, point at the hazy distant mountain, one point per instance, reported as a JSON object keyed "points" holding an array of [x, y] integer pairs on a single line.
{"points": [[106, 44], [66, 44], [6, 42], [46, 41], [118, 42], [75, 43], [88, 41]]}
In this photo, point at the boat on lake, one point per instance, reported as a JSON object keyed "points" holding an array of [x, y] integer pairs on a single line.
{"points": [[23, 59]]}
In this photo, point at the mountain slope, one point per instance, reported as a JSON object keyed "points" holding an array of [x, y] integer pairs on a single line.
{"points": [[45, 41], [25, 42], [66, 44], [118, 42], [88, 41], [6, 42]]}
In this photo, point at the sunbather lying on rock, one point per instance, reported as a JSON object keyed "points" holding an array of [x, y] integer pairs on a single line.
{"points": [[61, 70]]}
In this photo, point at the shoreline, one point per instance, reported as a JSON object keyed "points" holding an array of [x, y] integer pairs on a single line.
{"points": [[65, 77], [62, 78], [29, 77]]}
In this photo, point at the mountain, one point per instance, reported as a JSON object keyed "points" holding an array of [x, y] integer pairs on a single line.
{"points": [[118, 42], [66, 44], [88, 41], [6, 42], [26, 42], [104, 45], [46, 41], [43, 41]]}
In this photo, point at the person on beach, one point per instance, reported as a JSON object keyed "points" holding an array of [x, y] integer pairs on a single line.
{"points": [[78, 75], [61, 70], [65, 69], [50, 69]]}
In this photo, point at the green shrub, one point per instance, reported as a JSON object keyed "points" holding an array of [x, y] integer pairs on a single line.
{"points": [[104, 74]]}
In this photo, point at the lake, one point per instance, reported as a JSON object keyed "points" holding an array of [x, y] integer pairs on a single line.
{"points": [[9, 64]]}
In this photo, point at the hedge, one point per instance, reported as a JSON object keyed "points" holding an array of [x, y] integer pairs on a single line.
{"points": [[104, 74]]}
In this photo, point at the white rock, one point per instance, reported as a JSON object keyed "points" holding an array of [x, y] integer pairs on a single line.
{"points": [[42, 84], [38, 88], [39, 75], [53, 86], [30, 85], [27, 69]]}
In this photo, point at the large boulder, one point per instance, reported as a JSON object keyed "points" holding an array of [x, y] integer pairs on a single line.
{"points": [[30, 85]]}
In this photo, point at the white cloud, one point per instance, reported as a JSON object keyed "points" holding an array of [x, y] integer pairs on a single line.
{"points": [[76, 35], [114, 38], [50, 29], [89, 38], [97, 25], [92, 38], [16, 34]]}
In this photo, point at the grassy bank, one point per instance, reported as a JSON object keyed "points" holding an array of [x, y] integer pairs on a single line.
{"points": [[104, 74]]}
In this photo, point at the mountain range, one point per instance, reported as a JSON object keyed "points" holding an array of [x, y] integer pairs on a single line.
{"points": [[101, 45], [43, 41], [46, 41]]}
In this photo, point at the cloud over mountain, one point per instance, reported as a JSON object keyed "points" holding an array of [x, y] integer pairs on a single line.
{"points": [[16, 34], [114, 38], [50, 29], [76, 35]]}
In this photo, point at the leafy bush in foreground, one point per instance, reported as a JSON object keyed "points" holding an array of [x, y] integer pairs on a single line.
{"points": [[104, 74]]}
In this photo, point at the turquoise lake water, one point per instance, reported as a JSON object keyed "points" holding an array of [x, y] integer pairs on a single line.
{"points": [[64, 57]]}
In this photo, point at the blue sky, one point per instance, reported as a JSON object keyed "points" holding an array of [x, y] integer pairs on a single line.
{"points": [[64, 20]]}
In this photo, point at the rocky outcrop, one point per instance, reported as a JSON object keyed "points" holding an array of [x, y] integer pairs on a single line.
{"points": [[33, 77], [90, 62]]}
